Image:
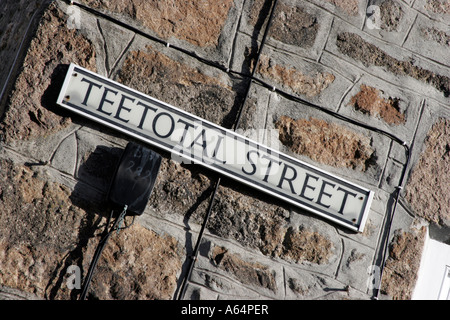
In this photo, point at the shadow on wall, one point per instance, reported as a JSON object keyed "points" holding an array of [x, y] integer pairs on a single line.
{"points": [[51, 94], [100, 167]]}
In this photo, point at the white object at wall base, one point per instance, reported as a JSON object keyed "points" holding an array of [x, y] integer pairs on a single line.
{"points": [[433, 282]]}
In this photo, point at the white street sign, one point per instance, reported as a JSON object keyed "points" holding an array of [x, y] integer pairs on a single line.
{"points": [[224, 151]]}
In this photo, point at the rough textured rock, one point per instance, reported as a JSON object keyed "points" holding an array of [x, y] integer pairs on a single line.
{"points": [[309, 85], [180, 190], [436, 35], [198, 22], [357, 48], [391, 13], [248, 220], [137, 264], [15, 19], [51, 49], [182, 86], [39, 226], [369, 100], [438, 6], [305, 245], [349, 6], [44, 233], [402, 265], [258, 224], [339, 146], [248, 273], [291, 24], [428, 188]]}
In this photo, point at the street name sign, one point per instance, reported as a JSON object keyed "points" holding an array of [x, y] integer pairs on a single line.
{"points": [[190, 138]]}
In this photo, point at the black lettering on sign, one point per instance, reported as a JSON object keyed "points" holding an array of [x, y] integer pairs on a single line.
{"points": [[226, 152], [289, 180], [144, 114], [269, 166], [252, 163], [346, 193], [307, 186], [103, 100], [171, 128], [122, 107], [88, 91], [323, 193]]}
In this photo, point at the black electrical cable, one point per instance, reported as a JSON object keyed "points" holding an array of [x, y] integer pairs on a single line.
{"points": [[255, 65], [390, 221], [236, 124], [200, 236], [101, 245]]}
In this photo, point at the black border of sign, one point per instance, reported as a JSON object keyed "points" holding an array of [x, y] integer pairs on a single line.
{"points": [[357, 226]]}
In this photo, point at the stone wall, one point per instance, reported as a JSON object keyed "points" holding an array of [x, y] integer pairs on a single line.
{"points": [[56, 167]]}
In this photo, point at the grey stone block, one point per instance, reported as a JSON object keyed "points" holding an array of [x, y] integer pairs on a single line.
{"points": [[392, 22], [398, 118], [355, 265], [65, 157], [430, 39]]}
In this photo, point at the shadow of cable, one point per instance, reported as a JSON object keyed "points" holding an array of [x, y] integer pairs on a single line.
{"points": [[91, 197]]}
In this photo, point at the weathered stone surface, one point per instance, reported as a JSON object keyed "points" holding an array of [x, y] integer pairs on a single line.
{"points": [[257, 224], [355, 261], [35, 210], [65, 156], [389, 20], [53, 46], [248, 220], [137, 264], [303, 285], [439, 36], [438, 10], [182, 86], [391, 13], [291, 24], [14, 294], [39, 226], [248, 273], [305, 245], [15, 19], [369, 100], [115, 41], [357, 48], [339, 146], [44, 233], [309, 85], [180, 190], [429, 39], [402, 265], [428, 188], [438, 6], [198, 22], [348, 6]]}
